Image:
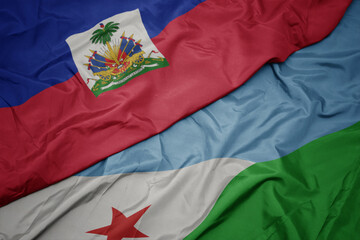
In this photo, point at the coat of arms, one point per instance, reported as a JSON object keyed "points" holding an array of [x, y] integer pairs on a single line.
{"points": [[114, 58]]}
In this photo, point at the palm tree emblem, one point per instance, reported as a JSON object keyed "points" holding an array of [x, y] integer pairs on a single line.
{"points": [[104, 35], [118, 60]]}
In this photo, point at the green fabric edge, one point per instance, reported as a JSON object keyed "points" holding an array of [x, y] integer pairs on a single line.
{"points": [[312, 193]]}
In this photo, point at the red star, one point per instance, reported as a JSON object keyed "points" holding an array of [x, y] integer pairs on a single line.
{"points": [[122, 226]]}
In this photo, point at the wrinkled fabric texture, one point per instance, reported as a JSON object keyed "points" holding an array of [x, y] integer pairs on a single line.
{"points": [[211, 50], [33, 38], [281, 108], [311, 193], [179, 200], [316, 91]]}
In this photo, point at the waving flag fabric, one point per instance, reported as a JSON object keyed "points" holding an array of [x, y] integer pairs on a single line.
{"points": [[191, 182], [311, 193], [85, 80]]}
